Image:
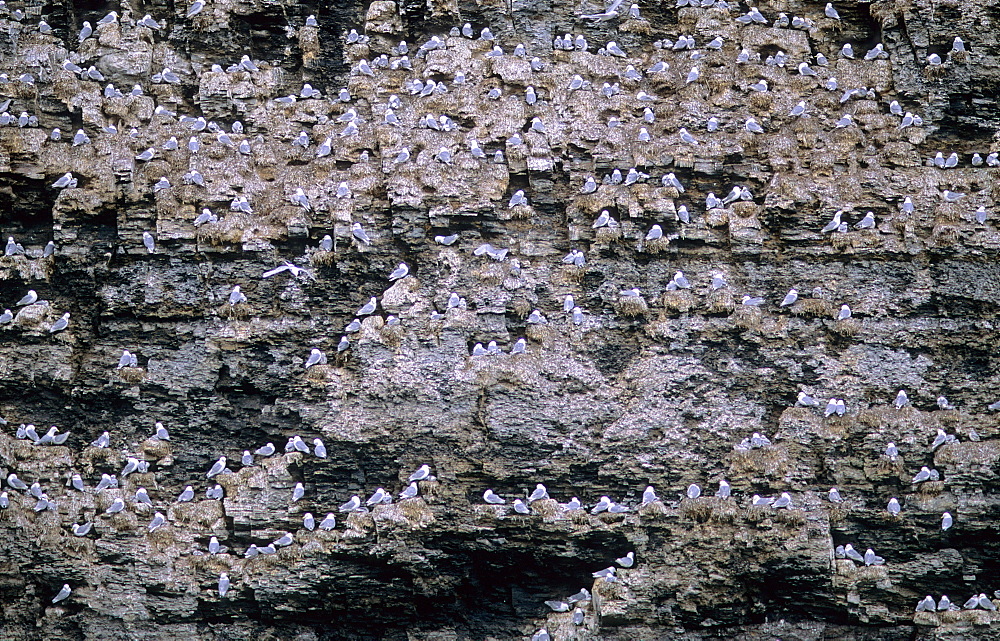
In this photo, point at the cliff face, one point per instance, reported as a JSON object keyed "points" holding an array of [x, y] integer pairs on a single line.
{"points": [[658, 390]]}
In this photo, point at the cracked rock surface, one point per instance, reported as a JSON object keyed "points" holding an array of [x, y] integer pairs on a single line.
{"points": [[661, 389]]}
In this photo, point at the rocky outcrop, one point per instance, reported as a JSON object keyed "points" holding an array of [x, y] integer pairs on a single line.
{"points": [[657, 389]]}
